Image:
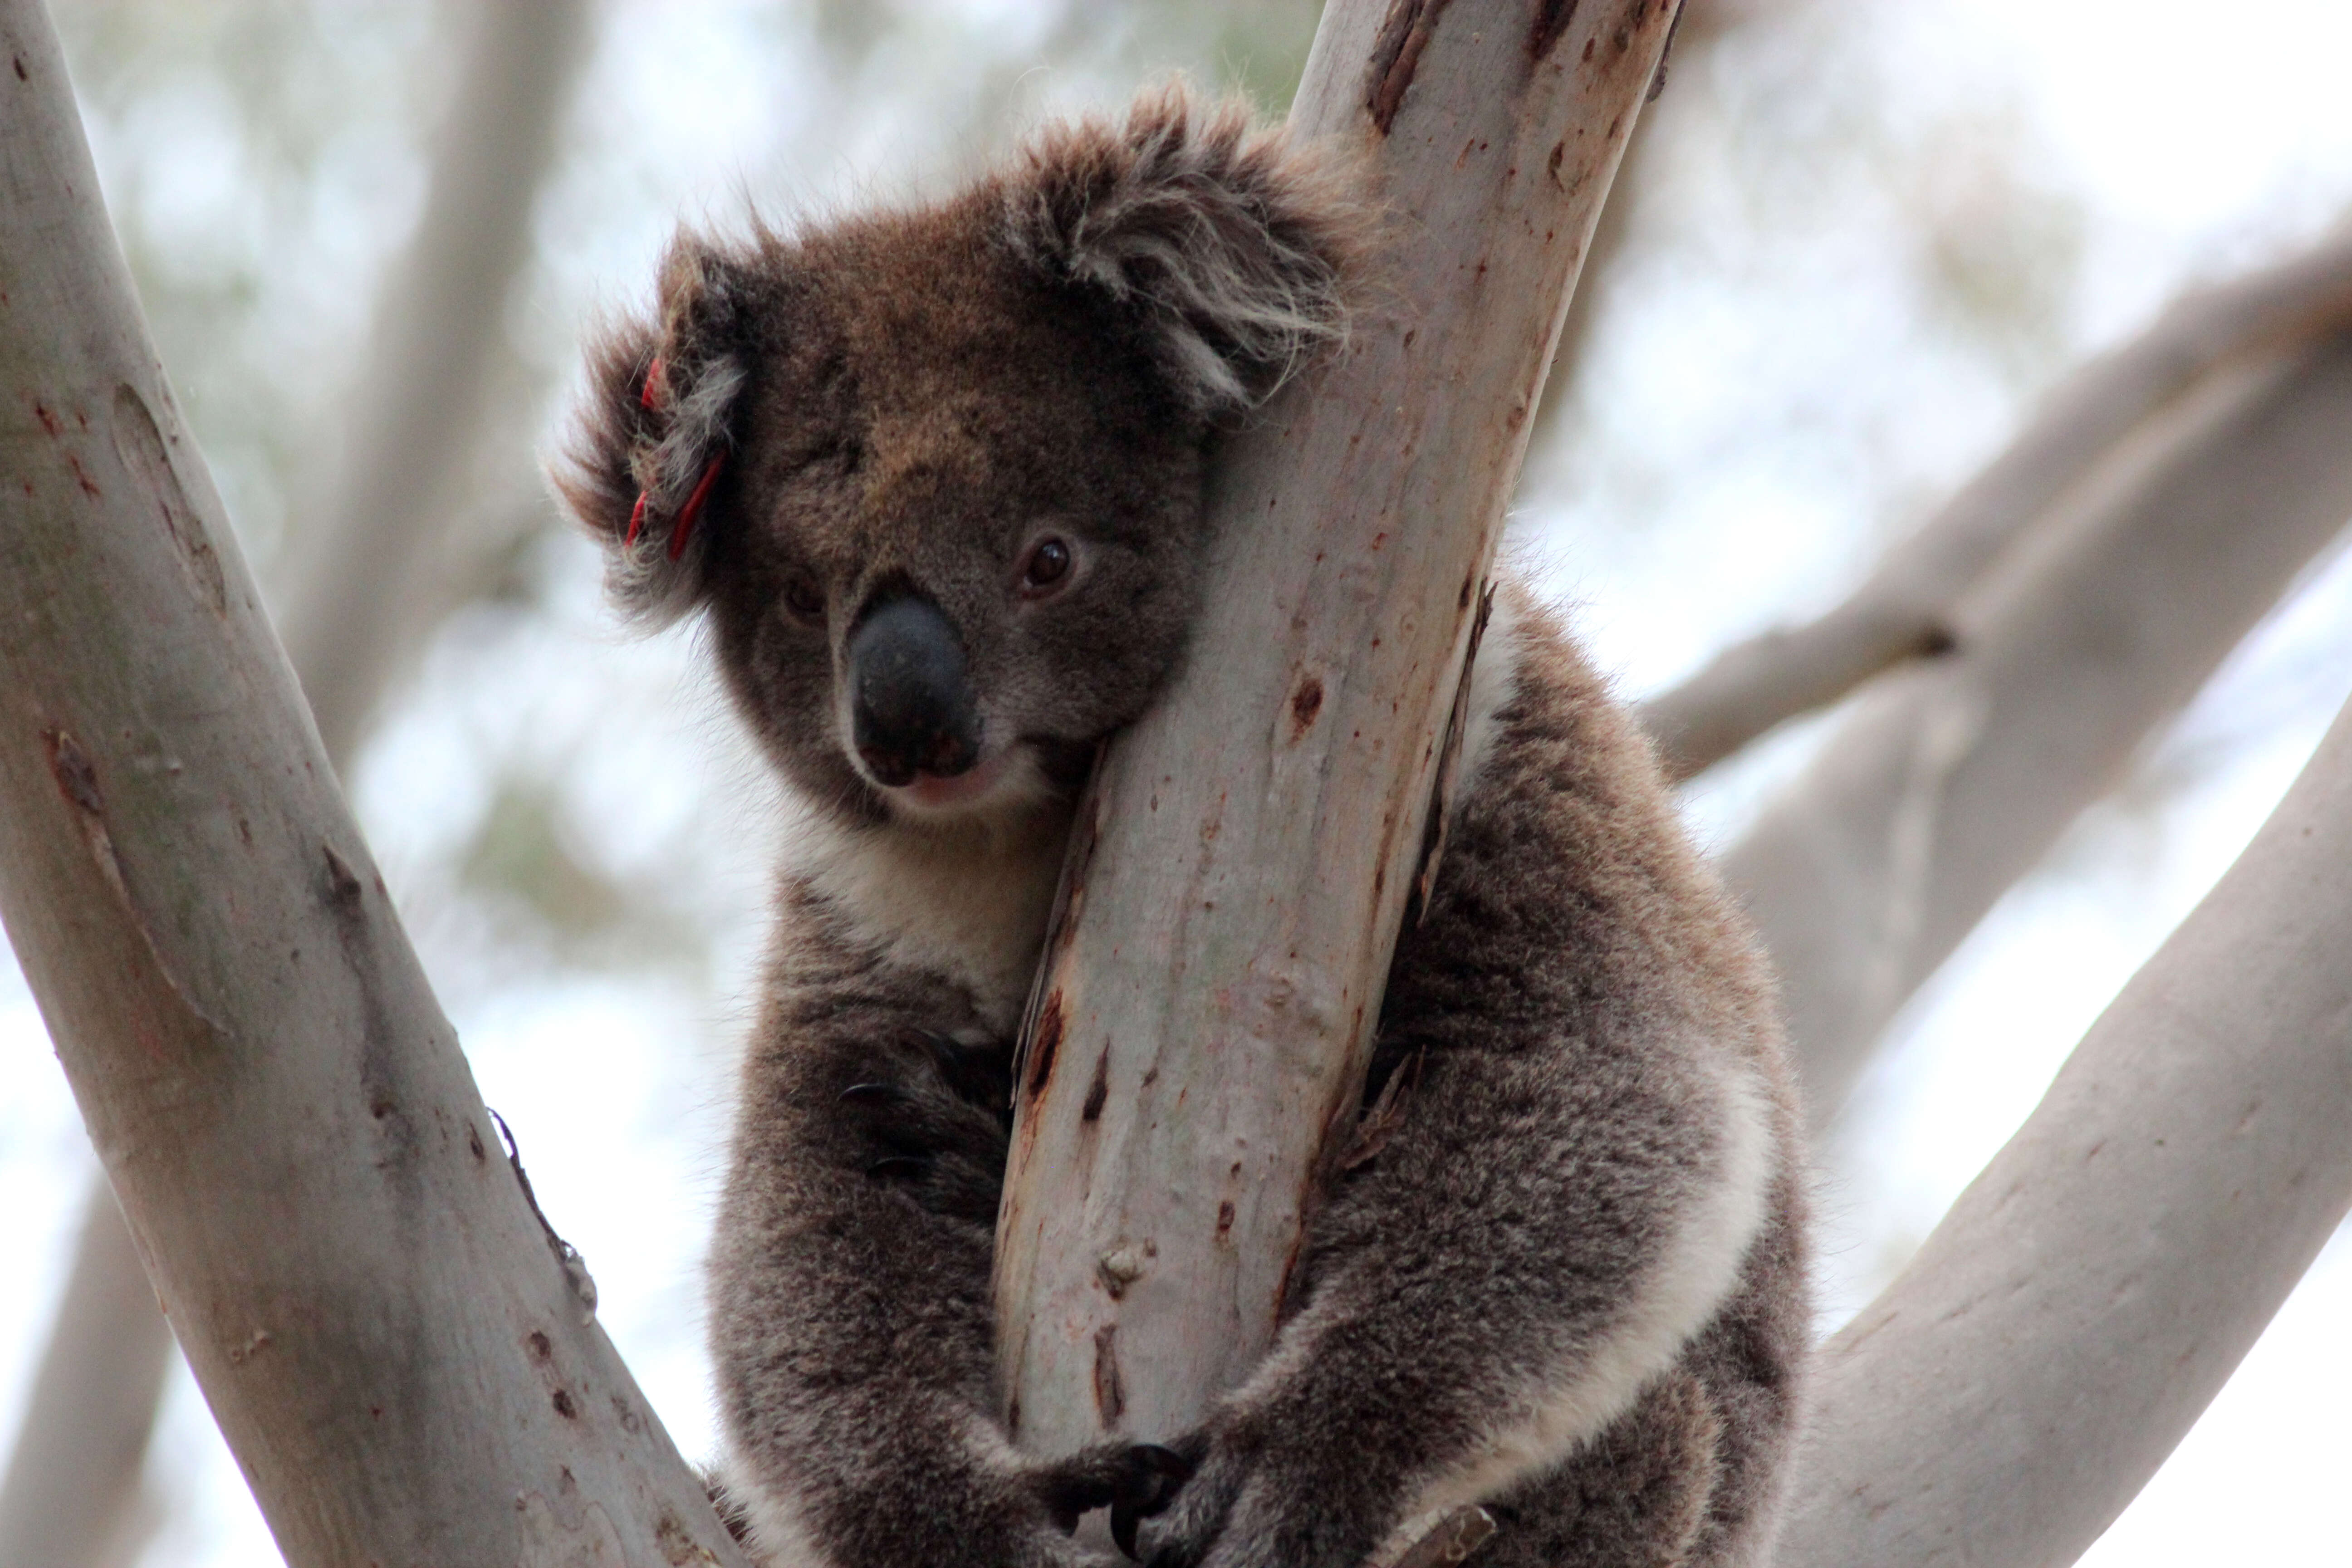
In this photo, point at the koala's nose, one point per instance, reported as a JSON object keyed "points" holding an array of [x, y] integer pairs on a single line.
{"points": [[912, 708]]}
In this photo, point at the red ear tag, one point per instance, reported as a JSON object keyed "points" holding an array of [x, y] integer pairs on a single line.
{"points": [[653, 383], [693, 508], [636, 521]]}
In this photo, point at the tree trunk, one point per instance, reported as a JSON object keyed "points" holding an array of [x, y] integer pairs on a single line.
{"points": [[388, 1337], [71, 1478], [1951, 781], [2070, 1318], [1197, 1040], [1906, 607]]}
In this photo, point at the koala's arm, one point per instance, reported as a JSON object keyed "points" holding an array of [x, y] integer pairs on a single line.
{"points": [[1584, 1143], [850, 1297]]}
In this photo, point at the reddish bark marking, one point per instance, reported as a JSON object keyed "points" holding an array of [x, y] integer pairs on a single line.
{"points": [[1396, 56], [1304, 703], [1097, 1091], [1552, 18], [1045, 1043], [1110, 1391], [76, 779]]}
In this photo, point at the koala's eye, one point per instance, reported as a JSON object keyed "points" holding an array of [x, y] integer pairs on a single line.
{"points": [[805, 599], [1046, 566]]}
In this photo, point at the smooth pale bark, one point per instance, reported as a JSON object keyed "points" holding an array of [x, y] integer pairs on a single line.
{"points": [[1951, 779], [1197, 1035], [70, 1485], [2093, 1289], [372, 1308], [1907, 605]]}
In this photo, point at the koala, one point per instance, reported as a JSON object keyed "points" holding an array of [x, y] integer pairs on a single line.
{"points": [[933, 474]]}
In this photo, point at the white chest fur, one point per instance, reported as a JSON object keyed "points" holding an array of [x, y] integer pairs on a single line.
{"points": [[969, 902]]}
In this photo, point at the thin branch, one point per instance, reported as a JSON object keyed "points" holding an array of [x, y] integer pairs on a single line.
{"points": [[438, 335], [1359, 519], [72, 1499], [1952, 779], [1907, 608], [2095, 1288], [395, 1353]]}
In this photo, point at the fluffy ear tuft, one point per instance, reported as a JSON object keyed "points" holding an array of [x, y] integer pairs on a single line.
{"points": [[650, 440], [1231, 241]]}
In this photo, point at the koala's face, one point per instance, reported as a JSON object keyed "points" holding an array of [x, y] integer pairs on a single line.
{"points": [[936, 474], [962, 538]]}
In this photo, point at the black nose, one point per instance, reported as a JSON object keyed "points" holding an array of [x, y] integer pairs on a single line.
{"points": [[911, 709]]}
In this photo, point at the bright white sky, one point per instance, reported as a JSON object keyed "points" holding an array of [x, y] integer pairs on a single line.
{"points": [[2191, 143]]}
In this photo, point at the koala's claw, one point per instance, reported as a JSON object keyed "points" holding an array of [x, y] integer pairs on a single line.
{"points": [[978, 1073], [906, 1120], [1133, 1479], [1153, 1476], [1247, 1502], [928, 1142]]}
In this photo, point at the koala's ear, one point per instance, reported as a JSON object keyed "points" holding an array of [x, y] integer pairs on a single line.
{"points": [[650, 440], [1230, 243]]}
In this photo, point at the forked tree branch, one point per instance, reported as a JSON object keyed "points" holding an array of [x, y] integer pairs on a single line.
{"points": [[1952, 779], [1908, 606], [375, 1313], [2093, 1289], [1241, 867], [74, 1471]]}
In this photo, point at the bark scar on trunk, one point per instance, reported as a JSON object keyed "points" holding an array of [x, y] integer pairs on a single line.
{"points": [[1110, 1392], [1403, 36], [139, 443], [77, 778], [1552, 18], [77, 781]]}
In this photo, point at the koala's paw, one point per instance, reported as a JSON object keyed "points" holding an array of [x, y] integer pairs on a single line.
{"points": [[944, 1152], [1243, 1507], [1121, 1477]]}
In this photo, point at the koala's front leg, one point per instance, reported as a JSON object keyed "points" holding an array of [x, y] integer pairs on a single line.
{"points": [[1542, 1235], [850, 1303]]}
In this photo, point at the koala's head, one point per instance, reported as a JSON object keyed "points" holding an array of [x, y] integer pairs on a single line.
{"points": [[935, 474]]}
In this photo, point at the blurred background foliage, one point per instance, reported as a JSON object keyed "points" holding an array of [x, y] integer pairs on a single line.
{"points": [[1850, 245]]}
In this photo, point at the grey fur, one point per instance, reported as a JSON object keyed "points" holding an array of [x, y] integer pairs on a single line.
{"points": [[1186, 213], [1571, 1281]]}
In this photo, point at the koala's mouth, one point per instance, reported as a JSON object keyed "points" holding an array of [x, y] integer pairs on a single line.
{"points": [[943, 793]]}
